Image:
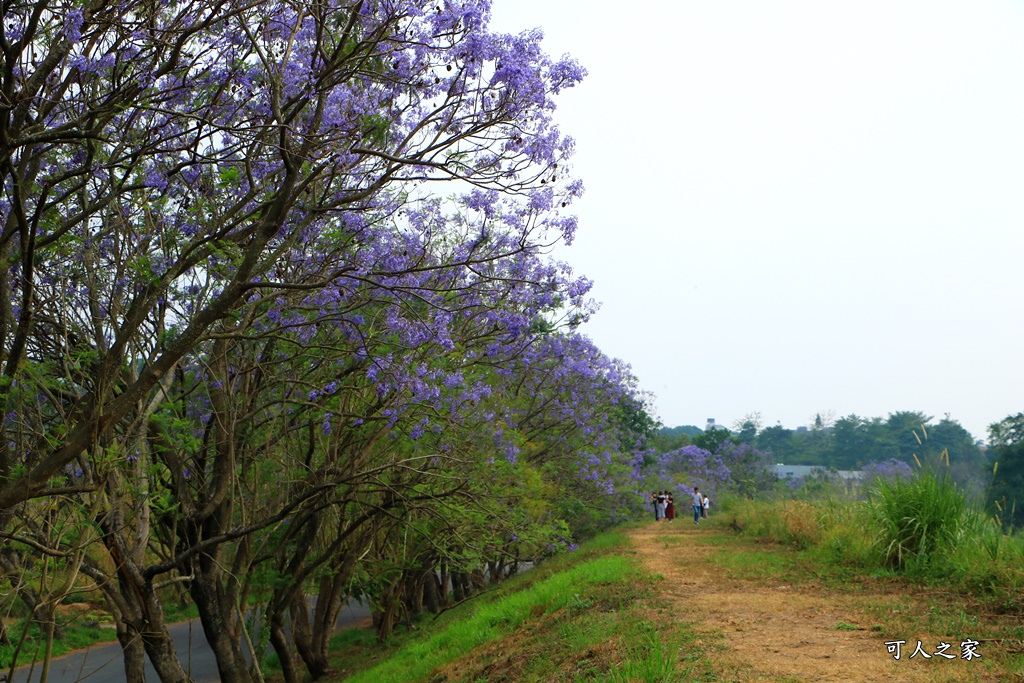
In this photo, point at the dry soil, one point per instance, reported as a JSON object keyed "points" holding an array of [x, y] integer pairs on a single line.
{"points": [[773, 631]]}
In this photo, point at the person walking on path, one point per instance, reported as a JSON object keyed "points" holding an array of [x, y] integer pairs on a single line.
{"points": [[654, 504], [670, 507], [705, 507], [661, 506], [698, 504]]}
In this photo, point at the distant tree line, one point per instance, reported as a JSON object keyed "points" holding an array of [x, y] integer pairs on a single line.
{"points": [[850, 443], [994, 475]]}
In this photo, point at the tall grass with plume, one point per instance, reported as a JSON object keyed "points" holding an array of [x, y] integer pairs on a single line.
{"points": [[923, 526], [919, 518]]}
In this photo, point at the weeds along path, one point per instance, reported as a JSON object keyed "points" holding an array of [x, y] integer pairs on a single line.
{"points": [[772, 631]]}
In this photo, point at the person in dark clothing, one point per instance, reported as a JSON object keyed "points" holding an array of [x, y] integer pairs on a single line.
{"points": [[698, 505]]}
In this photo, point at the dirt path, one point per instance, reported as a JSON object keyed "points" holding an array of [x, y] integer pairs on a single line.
{"points": [[780, 633]]}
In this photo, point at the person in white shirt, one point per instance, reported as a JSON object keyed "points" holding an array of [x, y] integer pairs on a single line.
{"points": [[705, 507]]}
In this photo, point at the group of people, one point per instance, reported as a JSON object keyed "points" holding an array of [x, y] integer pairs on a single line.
{"points": [[665, 507]]}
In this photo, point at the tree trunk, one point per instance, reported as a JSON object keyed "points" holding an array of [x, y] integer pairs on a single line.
{"points": [[157, 640], [458, 594], [138, 615], [329, 603], [432, 592], [132, 648], [445, 584], [498, 571], [283, 650], [217, 624], [386, 620], [312, 638], [414, 593], [214, 587], [302, 636]]}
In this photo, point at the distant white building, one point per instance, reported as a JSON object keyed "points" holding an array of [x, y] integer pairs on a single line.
{"points": [[797, 471], [711, 425]]}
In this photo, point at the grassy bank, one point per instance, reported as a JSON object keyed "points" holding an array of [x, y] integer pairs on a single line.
{"points": [[914, 533], [590, 615]]}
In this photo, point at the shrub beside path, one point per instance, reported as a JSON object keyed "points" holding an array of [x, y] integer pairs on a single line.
{"points": [[772, 629]]}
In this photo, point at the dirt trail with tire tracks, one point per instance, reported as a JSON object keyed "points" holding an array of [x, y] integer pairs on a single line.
{"points": [[775, 632]]}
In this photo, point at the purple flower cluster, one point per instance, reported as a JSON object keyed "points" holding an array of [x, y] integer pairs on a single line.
{"points": [[740, 468], [693, 466], [750, 470], [239, 284], [886, 471]]}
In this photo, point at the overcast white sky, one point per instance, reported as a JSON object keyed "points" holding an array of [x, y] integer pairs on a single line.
{"points": [[797, 206]]}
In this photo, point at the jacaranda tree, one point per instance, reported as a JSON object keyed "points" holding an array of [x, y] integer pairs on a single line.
{"points": [[245, 346], [165, 163]]}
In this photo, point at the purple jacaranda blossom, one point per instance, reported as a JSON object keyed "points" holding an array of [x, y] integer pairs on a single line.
{"points": [[73, 22], [886, 470], [694, 466], [227, 238], [751, 471]]}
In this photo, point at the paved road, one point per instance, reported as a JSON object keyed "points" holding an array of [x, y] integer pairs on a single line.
{"points": [[103, 663]]}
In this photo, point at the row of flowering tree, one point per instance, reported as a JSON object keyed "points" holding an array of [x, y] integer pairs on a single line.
{"points": [[249, 357], [732, 467]]}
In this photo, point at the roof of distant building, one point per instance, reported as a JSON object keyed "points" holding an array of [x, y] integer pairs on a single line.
{"points": [[796, 471]]}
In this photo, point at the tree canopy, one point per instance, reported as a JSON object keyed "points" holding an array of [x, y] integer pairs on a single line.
{"points": [[278, 319]]}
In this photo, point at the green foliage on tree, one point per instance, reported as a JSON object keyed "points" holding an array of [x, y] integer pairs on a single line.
{"points": [[712, 439], [857, 441], [1006, 455], [673, 438], [852, 442]]}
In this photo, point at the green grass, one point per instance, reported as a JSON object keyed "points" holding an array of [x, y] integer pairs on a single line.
{"points": [[76, 637], [175, 612], [757, 563], [490, 621], [918, 519], [651, 661]]}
